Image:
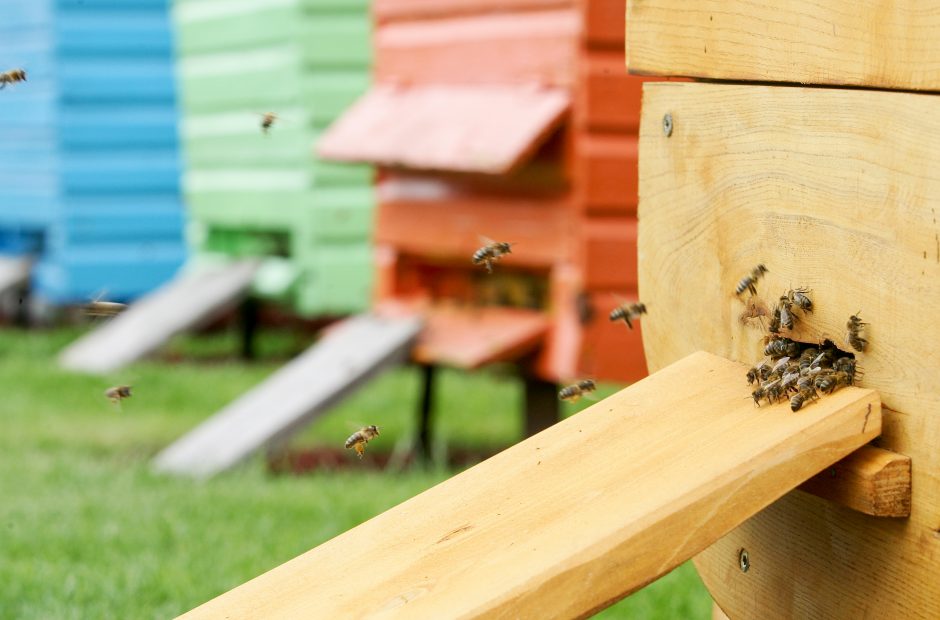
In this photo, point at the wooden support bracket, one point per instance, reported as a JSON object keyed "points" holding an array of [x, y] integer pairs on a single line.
{"points": [[871, 480], [578, 516]]}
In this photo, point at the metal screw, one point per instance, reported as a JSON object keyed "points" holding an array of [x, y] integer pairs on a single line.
{"points": [[667, 124], [744, 560]]}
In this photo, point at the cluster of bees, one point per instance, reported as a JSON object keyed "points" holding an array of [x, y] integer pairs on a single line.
{"points": [[794, 370]]}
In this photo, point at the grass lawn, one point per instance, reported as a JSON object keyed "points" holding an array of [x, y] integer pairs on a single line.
{"points": [[86, 531]]}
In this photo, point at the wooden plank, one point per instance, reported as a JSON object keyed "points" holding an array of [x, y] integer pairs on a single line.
{"points": [[184, 303], [346, 357], [609, 252], [486, 129], [14, 272], [835, 190], [577, 516], [871, 480], [893, 44], [525, 47], [607, 165], [473, 337]]}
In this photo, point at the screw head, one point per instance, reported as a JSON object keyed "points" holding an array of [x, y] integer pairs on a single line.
{"points": [[744, 560], [667, 124]]}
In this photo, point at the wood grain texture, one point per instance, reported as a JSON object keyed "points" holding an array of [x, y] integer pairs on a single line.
{"points": [[871, 480], [577, 516], [183, 303], [838, 191], [880, 43]]}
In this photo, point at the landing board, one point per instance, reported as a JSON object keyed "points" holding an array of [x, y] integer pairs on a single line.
{"points": [[346, 357], [577, 516], [182, 304]]}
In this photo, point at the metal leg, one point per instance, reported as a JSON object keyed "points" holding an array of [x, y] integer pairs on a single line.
{"points": [[541, 405], [248, 319], [423, 443]]}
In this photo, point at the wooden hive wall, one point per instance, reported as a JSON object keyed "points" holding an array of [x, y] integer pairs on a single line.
{"points": [[834, 189]]}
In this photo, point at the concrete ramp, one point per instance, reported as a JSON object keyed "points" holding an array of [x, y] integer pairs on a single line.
{"points": [[348, 355], [183, 304]]}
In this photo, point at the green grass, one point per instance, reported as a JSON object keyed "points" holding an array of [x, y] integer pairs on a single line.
{"points": [[86, 531]]}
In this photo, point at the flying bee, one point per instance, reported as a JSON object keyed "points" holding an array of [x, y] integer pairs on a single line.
{"points": [[749, 282], [785, 307], [118, 393], [628, 312], [782, 347], [854, 335], [805, 393], [798, 297], [267, 120], [103, 308], [575, 391], [491, 252], [360, 438], [12, 77]]}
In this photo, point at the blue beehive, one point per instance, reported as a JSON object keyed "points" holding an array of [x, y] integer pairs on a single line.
{"points": [[89, 160]]}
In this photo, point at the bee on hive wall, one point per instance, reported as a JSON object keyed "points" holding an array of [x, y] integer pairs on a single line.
{"points": [[855, 328], [360, 438]]}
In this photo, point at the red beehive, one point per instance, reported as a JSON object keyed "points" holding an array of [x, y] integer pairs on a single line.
{"points": [[514, 121]]}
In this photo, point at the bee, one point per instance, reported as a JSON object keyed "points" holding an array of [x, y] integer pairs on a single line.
{"points": [[805, 392], [785, 308], [118, 393], [12, 77], [848, 366], [749, 282], [628, 312], [575, 391], [267, 120], [830, 381], [774, 327], [774, 391], [807, 357], [824, 359], [854, 335], [360, 438], [103, 308], [491, 252], [758, 373], [782, 347], [798, 297]]}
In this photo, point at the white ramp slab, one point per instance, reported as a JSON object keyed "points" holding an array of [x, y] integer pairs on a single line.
{"points": [[13, 272], [183, 304], [346, 357]]}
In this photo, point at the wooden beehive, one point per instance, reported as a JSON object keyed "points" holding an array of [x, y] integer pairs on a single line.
{"points": [[834, 189], [514, 121]]}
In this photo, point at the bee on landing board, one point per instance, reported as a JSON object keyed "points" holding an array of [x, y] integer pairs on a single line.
{"points": [[855, 327], [267, 120], [491, 252], [118, 393], [12, 77], [749, 282], [360, 438], [575, 391], [629, 312]]}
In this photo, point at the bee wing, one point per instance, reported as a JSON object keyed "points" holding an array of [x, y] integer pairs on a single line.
{"points": [[485, 240]]}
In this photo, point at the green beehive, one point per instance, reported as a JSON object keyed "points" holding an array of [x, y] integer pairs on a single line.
{"points": [[251, 194]]}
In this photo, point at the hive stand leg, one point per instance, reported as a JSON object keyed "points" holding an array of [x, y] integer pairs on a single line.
{"points": [[541, 405], [423, 440], [248, 323]]}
